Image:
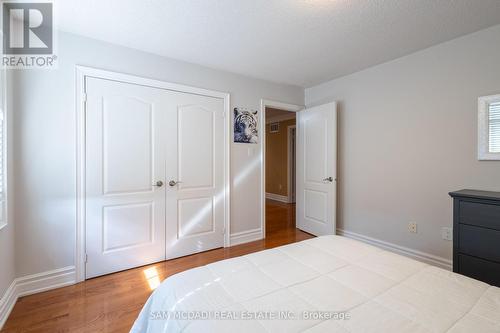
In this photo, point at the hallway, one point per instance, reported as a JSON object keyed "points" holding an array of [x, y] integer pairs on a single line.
{"points": [[280, 223]]}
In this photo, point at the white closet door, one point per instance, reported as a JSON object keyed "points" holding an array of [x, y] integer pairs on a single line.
{"points": [[317, 169], [195, 175], [138, 140], [125, 154]]}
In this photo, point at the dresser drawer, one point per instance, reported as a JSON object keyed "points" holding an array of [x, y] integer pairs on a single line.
{"points": [[479, 242], [480, 214], [479, 269]]}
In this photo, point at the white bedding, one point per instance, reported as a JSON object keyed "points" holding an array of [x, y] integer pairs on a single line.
{"points": [[324, 284]]}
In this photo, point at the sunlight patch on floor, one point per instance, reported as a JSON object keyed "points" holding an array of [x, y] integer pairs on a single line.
{"points": [[152, 277]]}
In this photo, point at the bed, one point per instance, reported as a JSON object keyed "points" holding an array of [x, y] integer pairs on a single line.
{"points": [[323, 284]]}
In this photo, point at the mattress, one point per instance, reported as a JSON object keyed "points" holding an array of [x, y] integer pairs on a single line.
{"points": [[324, 284]]}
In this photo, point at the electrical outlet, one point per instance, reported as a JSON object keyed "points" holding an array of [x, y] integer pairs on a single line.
{"points": [[412, 227], [447, 233]]}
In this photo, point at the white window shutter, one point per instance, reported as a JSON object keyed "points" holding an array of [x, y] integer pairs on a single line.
{"points": [[3, 159], [494, 127]]}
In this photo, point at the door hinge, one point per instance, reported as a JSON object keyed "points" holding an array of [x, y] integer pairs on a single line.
{"points": [[86, 257], [84, 97], [224, 230]]}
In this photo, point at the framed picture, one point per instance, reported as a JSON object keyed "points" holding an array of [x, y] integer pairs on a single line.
{"points": [[245, 126]]}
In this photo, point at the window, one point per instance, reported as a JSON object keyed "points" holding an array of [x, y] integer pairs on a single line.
{"points": [[494, 127], [3, 150], [489, 128]]}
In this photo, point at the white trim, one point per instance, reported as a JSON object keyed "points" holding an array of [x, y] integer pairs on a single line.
{"points": [[82, 73], [7, 303], [483, 153], [139, 80], [39, 282], [227, 170], [246, 236], [277, 197], [80, 175], [32, 284], [276, 105], [289, 162], [405, 251], [4, 220]]}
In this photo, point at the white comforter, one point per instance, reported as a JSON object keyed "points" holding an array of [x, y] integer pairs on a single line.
{"points": [[324, 284]]}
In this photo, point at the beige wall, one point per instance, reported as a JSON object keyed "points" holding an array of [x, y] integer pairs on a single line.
{"points": [[408, 136], [277, 159]]}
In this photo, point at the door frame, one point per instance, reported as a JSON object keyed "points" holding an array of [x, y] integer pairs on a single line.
{"points": [[277, 105], [82, 72], [290, 161]]}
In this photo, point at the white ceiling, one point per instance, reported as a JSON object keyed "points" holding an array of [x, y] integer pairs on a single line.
{"points": [[299, 42]]}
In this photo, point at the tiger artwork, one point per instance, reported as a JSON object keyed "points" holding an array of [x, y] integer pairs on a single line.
{"points": [[245, 126]]}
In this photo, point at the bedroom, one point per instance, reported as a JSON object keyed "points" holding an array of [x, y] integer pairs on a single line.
{"points": [[133, 160]]}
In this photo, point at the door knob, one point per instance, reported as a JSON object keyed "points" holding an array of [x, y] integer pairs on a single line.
{"points": [[158, 184], [329, 179], [173, 183]]}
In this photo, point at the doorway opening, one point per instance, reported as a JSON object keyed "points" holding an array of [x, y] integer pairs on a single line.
{"points": [[280, 170]]}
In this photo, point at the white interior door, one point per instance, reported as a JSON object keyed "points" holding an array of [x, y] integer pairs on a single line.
{"points": [[125, 157], [195, 175], [317, 169]]}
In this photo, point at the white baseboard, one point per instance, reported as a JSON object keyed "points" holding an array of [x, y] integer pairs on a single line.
{"points": [[32, 284], [277, 197], [414, 254], [7, 303], [246, 236], [37, 283]]}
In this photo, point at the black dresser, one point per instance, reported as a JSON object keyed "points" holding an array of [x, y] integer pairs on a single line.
{"points": [[476, 235]]}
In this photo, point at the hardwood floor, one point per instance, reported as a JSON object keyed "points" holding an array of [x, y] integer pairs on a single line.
{"points": [[111, 303]]}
